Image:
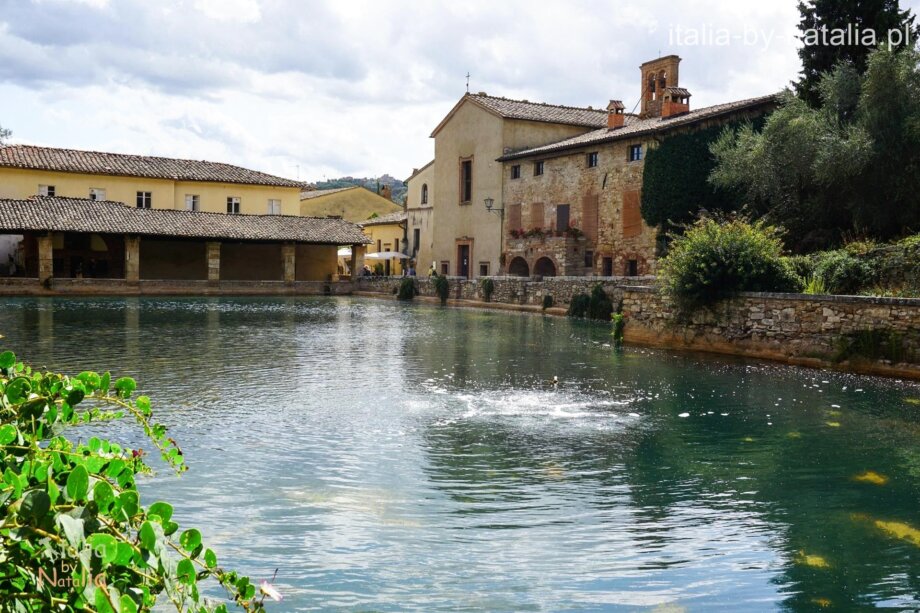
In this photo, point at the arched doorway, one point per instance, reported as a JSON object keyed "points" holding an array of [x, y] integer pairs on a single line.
{"points": [[519, 267], [544, 267]]}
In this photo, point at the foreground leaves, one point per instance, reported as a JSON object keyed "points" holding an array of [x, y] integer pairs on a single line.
{"points": [[73, 533]]}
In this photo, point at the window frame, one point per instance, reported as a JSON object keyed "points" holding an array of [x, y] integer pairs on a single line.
{"points": [[95, 192], [591, 159], [424, 194], [445, 267], [271, 208], [515, 172], [144, 200], [194, 200], [634, 153], [416, 239], [47, 191], [539, 167], [466, 180], [233, 205]]}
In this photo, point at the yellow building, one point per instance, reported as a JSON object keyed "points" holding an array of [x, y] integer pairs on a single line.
{"points": [[144, 181], [387, 234], [420, 216], [354, 204]]}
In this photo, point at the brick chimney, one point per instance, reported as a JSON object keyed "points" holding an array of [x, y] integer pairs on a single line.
{"points": [[386, 192], [657, 76], [615, 114], [676, 101]]}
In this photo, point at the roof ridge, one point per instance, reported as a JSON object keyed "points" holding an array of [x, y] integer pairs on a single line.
{"points": [[558, 106], [133, 155]]}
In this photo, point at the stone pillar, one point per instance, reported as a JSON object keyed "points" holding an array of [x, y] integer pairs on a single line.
{"points": [[45, 258], [288, 262], [132, 259], [357, 260], [213, 255]]}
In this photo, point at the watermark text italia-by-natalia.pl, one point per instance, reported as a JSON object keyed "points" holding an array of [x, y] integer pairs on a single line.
{"points": [[709, 35]]}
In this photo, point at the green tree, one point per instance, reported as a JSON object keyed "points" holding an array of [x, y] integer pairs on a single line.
{"points": [[867, 20], [74, 535], [4, 134]]}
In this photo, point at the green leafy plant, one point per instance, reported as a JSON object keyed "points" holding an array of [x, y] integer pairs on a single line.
{"points": [[378, 269], [441, 287], [407, 289], [488, 287], [815, 285], [578, 306], [619, 324], [74, 535], [714, 259], [841, 272], [599, 305], [547, 302]]}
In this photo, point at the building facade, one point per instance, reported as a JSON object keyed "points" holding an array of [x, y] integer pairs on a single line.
{"points": [[420, 217], [387, 235]]}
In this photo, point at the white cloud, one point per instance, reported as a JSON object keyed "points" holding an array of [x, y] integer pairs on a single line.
{"points": [[345, 86]]}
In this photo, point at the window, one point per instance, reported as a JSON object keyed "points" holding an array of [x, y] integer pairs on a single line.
{"points": [[424, 193], [608, 267], [192, 202], [416, 239], [46, 190], [445, 267], [635, 153], [632, 268], [466, 181], [96, 193], [483, 269], [562, 217], [274, 206], [233, 204], [395, 244], [379, 245], [144, 200], [592, 159], [589, 259], [516, 171], [538, 168]]}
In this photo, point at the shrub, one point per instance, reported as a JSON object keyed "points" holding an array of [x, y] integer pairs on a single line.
{"points": [[407, 289], [841, 272], [378, 269], [715, 259], [547, 302], [599, 305], [76, 506], [578, 307], [815, 285], [619, 324], [488, 287], [441, 287]]}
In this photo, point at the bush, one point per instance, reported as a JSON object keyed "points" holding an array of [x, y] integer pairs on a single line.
{"points": [[715, 259], [547, 302], [441, 287], [841, 272], [599, 305], [407, 289], [578, 307], [488, 287], [76, 506], [619, 324]]}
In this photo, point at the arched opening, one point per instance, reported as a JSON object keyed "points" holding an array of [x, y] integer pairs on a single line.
{"points": [[544, 267], [424, 193], [519, 267], [662, 80]]}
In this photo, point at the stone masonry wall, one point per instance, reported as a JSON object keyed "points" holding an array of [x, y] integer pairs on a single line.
{"points": [[796, 328]]}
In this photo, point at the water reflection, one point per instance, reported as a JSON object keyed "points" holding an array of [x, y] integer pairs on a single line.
{"points": [[401, 457]]}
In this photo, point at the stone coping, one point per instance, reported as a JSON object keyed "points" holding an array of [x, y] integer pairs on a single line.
{"points": [[838, 298]]}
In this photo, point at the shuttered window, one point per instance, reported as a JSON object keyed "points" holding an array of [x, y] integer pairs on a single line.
{"points": [[514, 217], [536, 215], [589, 216], [632, 218]]}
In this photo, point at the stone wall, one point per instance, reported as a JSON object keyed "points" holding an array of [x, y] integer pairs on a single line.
{"points": [[795, 328]]}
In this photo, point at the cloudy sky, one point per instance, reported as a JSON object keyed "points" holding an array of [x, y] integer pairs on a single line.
{"points": [[323, 88]]}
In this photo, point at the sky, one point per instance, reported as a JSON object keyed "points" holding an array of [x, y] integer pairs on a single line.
{"points": [[314, 89]]}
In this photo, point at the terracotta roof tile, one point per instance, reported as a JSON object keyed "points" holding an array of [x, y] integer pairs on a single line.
{"points": [[539, 111], [146, 166], [636, 127], [382, 220], [80, 215]]}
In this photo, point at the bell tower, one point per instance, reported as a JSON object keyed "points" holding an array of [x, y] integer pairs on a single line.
{"points": [[657, 76]]}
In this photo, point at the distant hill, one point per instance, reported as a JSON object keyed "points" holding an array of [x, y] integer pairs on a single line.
{"points": [[397, 187]]}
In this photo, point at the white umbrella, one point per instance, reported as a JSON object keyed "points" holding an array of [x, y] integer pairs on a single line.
{"points": [[345, 252], [386, 255]]}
